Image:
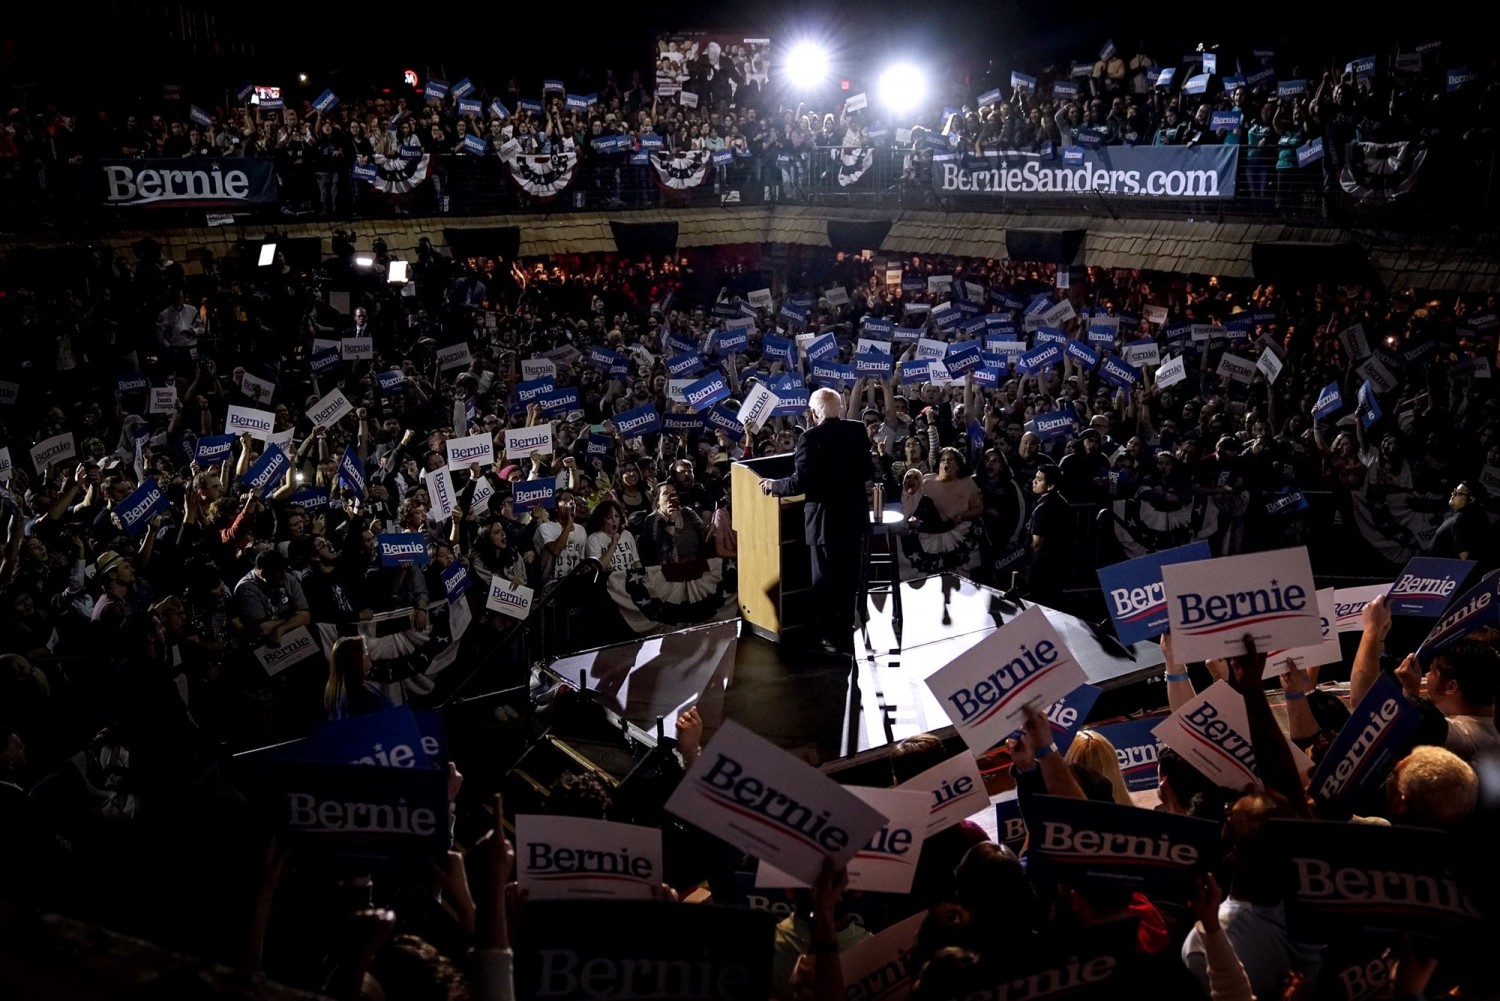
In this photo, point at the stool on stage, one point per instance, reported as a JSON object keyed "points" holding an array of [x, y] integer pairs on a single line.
{"points": [[881, 573]]}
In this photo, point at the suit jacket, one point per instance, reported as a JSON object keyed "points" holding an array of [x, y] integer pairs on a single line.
{"points": [[832, 467]]}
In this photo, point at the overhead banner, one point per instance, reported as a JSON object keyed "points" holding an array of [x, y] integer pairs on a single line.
{"points": [[1190, 172], [240, 182]]}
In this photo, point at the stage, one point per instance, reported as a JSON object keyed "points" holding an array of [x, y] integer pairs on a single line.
{"points": [[828, 710]]}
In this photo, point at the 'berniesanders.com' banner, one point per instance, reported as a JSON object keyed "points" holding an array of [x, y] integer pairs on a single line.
{"points": [[1131, 171]]}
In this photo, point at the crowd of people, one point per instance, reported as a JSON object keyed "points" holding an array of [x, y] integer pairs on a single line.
{"points": [[141, 629], [772, 144]]}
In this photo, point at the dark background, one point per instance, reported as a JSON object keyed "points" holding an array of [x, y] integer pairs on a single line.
{"points": [[121, 53]]}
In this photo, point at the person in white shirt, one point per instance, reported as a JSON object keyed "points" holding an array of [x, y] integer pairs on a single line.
{"points": [[560, 543], [178, 326], [609, 541]]}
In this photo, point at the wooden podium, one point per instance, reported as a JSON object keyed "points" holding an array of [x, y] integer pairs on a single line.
{"points": [[775, 564]]}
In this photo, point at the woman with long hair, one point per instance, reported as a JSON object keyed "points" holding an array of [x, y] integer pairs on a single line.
{"points": [[349, 691], [609, 541], [1093, 750]]}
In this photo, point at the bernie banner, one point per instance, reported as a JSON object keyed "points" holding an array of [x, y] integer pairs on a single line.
{"points": [[195, 183], [1196, 172]]}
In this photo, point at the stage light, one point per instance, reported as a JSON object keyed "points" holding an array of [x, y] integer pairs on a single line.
{"points": [[902, 88], [267, 255], [364, 261], [807, 65], [302, 78]]}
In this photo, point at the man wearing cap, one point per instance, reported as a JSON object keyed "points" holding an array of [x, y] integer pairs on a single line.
{"points": [[115, 573], [268, 601]]}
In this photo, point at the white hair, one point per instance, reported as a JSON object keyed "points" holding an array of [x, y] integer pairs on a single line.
{"points": [[827, 403]]}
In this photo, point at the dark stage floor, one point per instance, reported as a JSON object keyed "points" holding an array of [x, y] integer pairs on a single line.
{"points": [[807, 704]]}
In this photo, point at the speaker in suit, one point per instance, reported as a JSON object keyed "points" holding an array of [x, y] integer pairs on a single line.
{"points": [[832, 467]]}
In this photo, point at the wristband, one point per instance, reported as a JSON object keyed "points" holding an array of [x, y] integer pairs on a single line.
{"points": [[1042, 752], [1178, 677], [1294, 696]]}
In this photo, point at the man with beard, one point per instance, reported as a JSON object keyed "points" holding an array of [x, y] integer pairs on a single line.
{"points": [[327, 601]]}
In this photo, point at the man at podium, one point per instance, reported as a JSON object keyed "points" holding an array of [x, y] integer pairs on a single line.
{"points": [[832, 467]]}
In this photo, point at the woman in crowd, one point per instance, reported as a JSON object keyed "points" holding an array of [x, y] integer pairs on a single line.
{"points": [[609, 541], [350, 690]]}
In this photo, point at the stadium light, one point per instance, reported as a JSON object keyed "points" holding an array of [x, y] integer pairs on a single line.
{"points": [[807, 65], [902, 88]]}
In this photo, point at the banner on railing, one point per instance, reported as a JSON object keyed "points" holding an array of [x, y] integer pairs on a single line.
{"points": [[544, 175], [853, 164], [194, 183], [681, 170], [1381, 171], [396, 175], [1197, 172]]}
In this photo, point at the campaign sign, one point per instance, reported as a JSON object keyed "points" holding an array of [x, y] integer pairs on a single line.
{"points": [[1236, 368], [1427, 585], [520, 442], [832, 373], [456, 356], [246, 420], [528, 494], [1152, 852], [1326, 652], [750, 793], [212, 449], [390, 381], [357, 348], [131, 382], [471, 450], [352, 472], [564, 858], [1058, 314], [1136, 750], [397, 548], [1270, 365], [759, 403], [1213, 605], [1477, 607], [509, 599], [267, 470], [1213, 733], [1082, 354], [296, 646], [681, 423], [1375, 372], [603, 358], [330, 409], [455, 581], [1120, 373], [1051, 426], [1349, 606], [309, 499], [955, 790], [136, 511], [1134, 593], [962, 358], [888, 861], [440, 490], [560, 401], [637, 422], [705, 392], [1368, 876], [723, 418], [1171, 372], [1225, 121], [1038, 358], [163, 400], [1375, 736], [363, 810], [1068, 713], [322, 361], [733, 340], [655, 949], [533, 390], [1010, 825], [883, 966], [986, 689], [1330, 402], [687, 363], [538, 368], [1310, 152], [822, 347]]}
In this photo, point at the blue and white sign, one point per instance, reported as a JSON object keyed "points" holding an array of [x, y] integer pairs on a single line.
{"points": [[1374, 737], [1427, 586], [1310, 152], [352, 473], [1038, 358], [1213, 605], [1136, 750], [1072, 156], [1082, 354], [733, 339], [1195, 84], [310, 499], [527, 494], [463, 88], [1165, 77], [1182, 172], [821, 347], [1120, 373], [262, 477], [1225, 121], [876, 363], [1021, 81], [990, 97], [1290, 88], [213, 449], [390, 381], [1134, 593], [475, 144], [707, 391], [1330, 402], [779, 348], [1151, 852], [560, 401], [397, 548], [962, 358], [532, 391], [1069, 713], [640, 421], [1050, 427], [136, 511], [326, 101]]}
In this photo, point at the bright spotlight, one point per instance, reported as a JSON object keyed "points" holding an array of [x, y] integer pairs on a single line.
{"points": [[902, 88], [364, 261], [807, 65]]}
